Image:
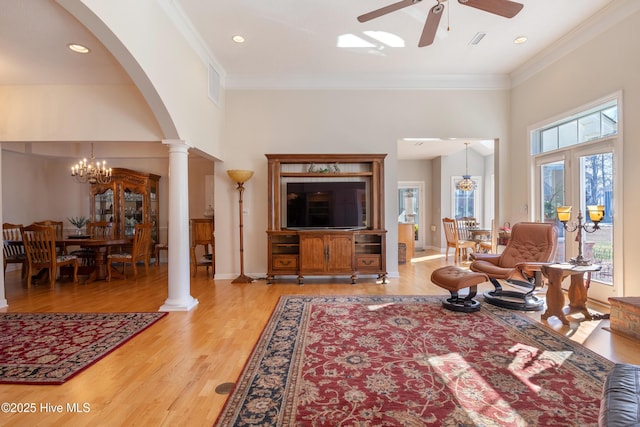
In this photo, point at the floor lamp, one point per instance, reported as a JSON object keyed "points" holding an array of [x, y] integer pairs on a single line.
{"points": [[240, 177]]}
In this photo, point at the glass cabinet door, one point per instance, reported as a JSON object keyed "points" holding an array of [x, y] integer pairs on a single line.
{"points": [[153, 210], [133, 211], [104, 206]]}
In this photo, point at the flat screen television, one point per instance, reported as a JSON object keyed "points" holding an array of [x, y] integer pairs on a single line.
{"points": [[326, 204]]}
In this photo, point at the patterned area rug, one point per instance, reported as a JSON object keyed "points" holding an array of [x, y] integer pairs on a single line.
{"points": [[406, 361], [50, 348]]}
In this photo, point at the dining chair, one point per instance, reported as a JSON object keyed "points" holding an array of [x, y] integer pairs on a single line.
{"points": [[101, 230], [58, 227], [450, 227], [40, 249], [139, 251], [58, 230], [160, 247], [490, 245], [12, 250], [202, 235], [465, 225]]}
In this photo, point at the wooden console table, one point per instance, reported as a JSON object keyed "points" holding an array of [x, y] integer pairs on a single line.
{"points": [[556, 273]]}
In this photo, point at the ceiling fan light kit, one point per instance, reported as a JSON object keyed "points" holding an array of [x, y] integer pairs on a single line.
{"points": [[504, 8]]}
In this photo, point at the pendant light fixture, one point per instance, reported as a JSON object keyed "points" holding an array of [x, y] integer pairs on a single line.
{"points": [[466, 184], [92, 172]]}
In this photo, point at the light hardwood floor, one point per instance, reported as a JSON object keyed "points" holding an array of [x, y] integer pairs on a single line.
{"points": [[167, 375]]}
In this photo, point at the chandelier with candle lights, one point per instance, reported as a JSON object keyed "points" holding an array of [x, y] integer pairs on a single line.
{"points": [[92, 172]]}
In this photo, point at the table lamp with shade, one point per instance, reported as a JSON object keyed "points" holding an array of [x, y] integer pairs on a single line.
{"points": [[596, 214], [240, 176]]}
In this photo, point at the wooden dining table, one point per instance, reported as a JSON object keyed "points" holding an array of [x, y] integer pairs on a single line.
{"points": [[102, 248], [479, 235]]}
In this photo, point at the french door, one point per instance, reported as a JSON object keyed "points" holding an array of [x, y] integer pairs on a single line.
{"points": [[411, 207], [581, 176]]}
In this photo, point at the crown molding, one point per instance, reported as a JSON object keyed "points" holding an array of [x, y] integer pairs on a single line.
{"points": [[184, 25], [612, 14], [404, 81]]}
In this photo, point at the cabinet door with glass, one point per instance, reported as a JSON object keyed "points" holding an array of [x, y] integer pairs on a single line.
{"points": [[130, 198], [153, 210], [103, 204], [134, 206]]}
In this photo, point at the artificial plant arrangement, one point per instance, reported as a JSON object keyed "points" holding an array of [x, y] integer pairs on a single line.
{"points": [[78, 222]]}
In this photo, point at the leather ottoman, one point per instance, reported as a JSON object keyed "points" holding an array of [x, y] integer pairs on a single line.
{"points": [[455, 279]]}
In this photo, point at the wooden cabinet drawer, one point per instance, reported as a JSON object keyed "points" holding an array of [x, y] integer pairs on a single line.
{"points": [[285, 262], [368, 262]]}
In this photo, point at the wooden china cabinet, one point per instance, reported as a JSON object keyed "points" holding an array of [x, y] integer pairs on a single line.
{"points": [[308, 239], [130, 198]]}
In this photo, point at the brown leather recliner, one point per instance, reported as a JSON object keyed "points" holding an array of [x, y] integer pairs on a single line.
{"points": [[531, 245]]}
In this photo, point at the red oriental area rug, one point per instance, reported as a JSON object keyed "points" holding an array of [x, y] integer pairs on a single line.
{"points": [[50, 348], [406, 361]]}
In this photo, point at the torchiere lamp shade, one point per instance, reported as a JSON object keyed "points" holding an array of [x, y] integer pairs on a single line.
{"points": [[240, 176]]}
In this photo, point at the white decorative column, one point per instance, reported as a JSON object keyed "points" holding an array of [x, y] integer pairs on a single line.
{"points": [[179, 298]]}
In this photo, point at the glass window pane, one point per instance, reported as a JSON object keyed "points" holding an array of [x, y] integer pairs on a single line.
{"points": [[610, 121], [589, 127], [550, 139], [408, 198], [568, 134], [466, 203], [552, 193], [597, 185]]}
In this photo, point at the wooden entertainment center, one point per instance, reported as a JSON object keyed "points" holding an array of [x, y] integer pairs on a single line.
{"points": [[331, 251]]}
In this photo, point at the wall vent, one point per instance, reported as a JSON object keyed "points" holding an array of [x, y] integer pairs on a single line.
{"points": [[477, 38]]}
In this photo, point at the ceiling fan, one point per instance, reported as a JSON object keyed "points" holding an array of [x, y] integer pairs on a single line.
{"points": [[505, 8]]}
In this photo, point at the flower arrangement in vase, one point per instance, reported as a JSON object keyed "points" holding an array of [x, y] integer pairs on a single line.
{"points": [[79, 222]]}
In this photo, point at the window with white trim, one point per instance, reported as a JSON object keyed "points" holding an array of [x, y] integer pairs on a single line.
{"points": [[596, 123], [577, 161]]}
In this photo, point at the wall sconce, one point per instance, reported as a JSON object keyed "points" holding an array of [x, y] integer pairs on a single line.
{"points": [[596, 213]]}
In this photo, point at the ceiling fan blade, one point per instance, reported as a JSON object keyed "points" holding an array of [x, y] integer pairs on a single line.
{"points": [[505, 8], [387, 9], [431, 26]]}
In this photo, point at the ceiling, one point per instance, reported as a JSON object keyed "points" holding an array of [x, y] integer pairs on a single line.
{"points": [[430, 148], [295, 43]]}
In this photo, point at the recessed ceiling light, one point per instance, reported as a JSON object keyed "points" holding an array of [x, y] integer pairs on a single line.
{"points": [[78, 48], [520, 40], [238, 39]]}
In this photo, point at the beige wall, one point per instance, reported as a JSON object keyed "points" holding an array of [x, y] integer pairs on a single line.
{"points": [[335, 121], [173, 80], [75, 113], [45, 192], [199, 169], [601, 67]]}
